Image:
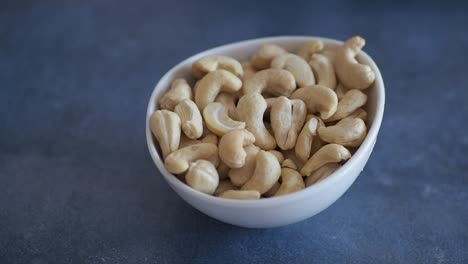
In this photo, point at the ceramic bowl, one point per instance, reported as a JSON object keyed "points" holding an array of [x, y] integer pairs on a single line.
{"points": [[283, 210]]}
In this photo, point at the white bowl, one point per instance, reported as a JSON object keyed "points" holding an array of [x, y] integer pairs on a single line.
{"points": [[291, 208]]}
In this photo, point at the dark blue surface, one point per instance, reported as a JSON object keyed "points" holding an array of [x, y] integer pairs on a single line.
{"points": [[77, 184]]}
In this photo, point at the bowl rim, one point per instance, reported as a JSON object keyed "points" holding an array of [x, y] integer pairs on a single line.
{"points": [[366, 146]]}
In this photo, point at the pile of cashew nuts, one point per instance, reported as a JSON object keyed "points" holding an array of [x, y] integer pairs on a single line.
{"points": [[266, 127]]}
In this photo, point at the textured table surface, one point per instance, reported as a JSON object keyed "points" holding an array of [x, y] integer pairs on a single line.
{"points": [[77, 184]]}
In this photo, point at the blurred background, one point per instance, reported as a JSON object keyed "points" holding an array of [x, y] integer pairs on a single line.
{"points": [[77, 184]]}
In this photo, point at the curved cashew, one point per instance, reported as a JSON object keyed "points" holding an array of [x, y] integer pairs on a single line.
{"points": [[185, 141], [223, 186], [360, 113], [341, 91], [305, 139], [210, 138], [320, 174], [267, 172], [241, 195], [351, 102], [287, 117], [318, 99], [249, 70], [165, 126], [214, 82], [349, 71], [229, 101], [309, 48], [279, 156], [179, 161], [265, 54], [349, 132], [272, 190], [218, 121], [212, 63], [297, 66], [241, 175], [231, 147], [272, 81], [323, 70], [180, 90], [289, 163], [190, 117], [202, 176], [317, 143], [291, 181], [250, 109], [331, 153]]}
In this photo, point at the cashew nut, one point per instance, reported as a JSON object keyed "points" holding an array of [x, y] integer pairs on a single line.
{"points": [[318, 99], [305, 139], [231, 147], [279, 156], [297, 66], [360, 113], [249, 70], [340, 91], [349, 71], [287, 118], [179, 161], [323, 70], [320, 174], [165, 126], [214, 82], [349, 132], [241, 195], [309, 48], [265, 54], [272, 190], [223, 186], [229, 101], [267, 172], [180, 90], [351, 102], [241, 175], [331, 153], [212, 63], [190, 118], [289, 163], [317, 143], [218, 121], [271, 81], [185, 141], [210, 138], [202, 176], [250, 109], [291, 181]]}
